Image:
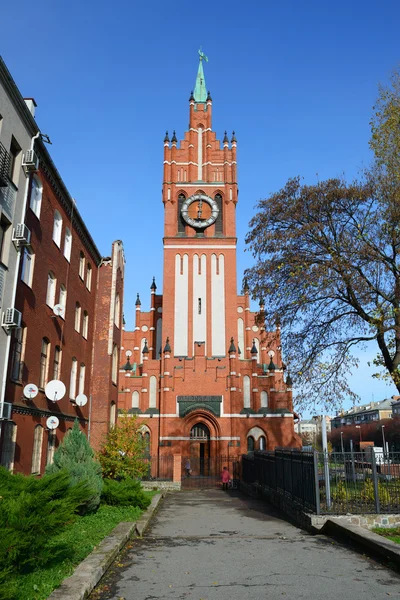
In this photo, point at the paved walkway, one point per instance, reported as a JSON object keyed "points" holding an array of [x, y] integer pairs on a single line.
{"points": [[215, 545]]}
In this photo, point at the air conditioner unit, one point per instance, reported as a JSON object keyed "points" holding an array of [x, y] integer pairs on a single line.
{"points": [[7, 409], [31, 161], [11, 318], [21, 234]]}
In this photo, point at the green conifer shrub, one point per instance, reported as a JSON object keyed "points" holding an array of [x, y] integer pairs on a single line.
{"points": [[77, 457], [127, 492], [32, 512]]}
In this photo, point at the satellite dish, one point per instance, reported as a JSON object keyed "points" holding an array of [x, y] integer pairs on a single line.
{"points": [[52, 423], [81, 400], [30, 391], [55, 390], [271, 353], [59, 310], [128, 353]]}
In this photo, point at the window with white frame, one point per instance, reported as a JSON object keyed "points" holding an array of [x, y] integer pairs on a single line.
{"points": [[37, 449], [18, 342], [57, 362], [36, 195], [9, 441], [72, 380], [81, 265], [51, 446], [85, 324], [77, 317], [44, 363], [51, 289], [57, 228], [82, 372], [62, 299], [28, 261], [67, 244], [114, 368], [117, 311], [89, 277]]}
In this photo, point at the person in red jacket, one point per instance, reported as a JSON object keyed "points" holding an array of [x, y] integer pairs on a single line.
{"points": [[225, 477]]}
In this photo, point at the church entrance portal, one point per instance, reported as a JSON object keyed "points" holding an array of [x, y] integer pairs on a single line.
{"points": [[205, 468]]}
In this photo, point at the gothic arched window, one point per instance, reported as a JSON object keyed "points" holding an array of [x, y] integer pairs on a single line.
{"points": [[181, 222], [219, 221]]}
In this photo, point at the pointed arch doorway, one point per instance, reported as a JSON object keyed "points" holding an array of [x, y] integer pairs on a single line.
{"points": [[200, 449]]}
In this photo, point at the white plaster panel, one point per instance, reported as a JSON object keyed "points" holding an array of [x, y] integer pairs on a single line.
{"points": [[246, 391], [218, 306], [199, 291], [241, 338], [180, 346], [135, 399], [153, 392]]}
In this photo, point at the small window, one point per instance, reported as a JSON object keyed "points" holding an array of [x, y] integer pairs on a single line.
{"points": [[36, 195], [57, 228], [117, 311], [18, 342], [89, 277], [262, 443], [37, 449], [85, 324], [9, 441], [28, 261], [114, 369], [57, 363], [51, 289], [62, 299], [81, 265], [199, 306], [72, 380], [77, 317], [67, 244], [82, 373], [112, 414], [44, 362], [250, 444], [15, 162]]}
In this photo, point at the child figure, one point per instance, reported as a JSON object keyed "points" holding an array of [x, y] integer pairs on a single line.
{"points": [[225, 477]]}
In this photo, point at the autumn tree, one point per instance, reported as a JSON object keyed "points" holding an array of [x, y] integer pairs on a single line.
{"points": [[328, 266], [385, 125], [122, 454]]}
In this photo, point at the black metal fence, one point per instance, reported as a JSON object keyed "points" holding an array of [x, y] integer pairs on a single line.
{"points": [[159, 468], [288, 473], [336, 483], [205, 472], [359, 482]]}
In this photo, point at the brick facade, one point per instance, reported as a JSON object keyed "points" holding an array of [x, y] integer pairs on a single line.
{"points": [[198, 369]]}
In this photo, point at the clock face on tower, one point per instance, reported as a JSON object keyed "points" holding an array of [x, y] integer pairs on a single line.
{"points": [[199, 211]]}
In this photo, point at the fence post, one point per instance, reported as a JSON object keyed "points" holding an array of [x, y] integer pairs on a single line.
{"points": [[177, 468], [316, 479], [375, 480]]}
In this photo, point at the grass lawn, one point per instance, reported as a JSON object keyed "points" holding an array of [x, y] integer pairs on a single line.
{"points": [[70, 548], [392, 533]]}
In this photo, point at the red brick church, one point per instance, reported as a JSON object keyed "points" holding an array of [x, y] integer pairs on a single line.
{"points": [[206, 379]]}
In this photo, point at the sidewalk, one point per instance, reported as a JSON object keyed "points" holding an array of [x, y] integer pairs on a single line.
{"points": [[212, 545]]}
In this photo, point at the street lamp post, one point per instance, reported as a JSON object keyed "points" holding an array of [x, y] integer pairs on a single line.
{"points": [[383, 440]]}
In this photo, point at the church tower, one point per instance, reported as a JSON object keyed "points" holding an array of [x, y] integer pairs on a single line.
{"points": [[206, 378]]}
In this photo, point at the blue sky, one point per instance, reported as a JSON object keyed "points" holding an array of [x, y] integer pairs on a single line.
{"points": [[295, 80]]}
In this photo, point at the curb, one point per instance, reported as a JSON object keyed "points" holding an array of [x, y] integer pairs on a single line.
{"points": [[88, 573], [375, 544]]}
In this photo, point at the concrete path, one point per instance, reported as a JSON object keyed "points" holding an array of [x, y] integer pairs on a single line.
{"points": [[215, 545]]}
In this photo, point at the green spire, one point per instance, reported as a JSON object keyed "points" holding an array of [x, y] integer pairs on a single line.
{"points": [[200, 92]]}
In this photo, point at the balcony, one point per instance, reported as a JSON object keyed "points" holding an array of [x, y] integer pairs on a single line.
{"points": [[5, 166]]}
